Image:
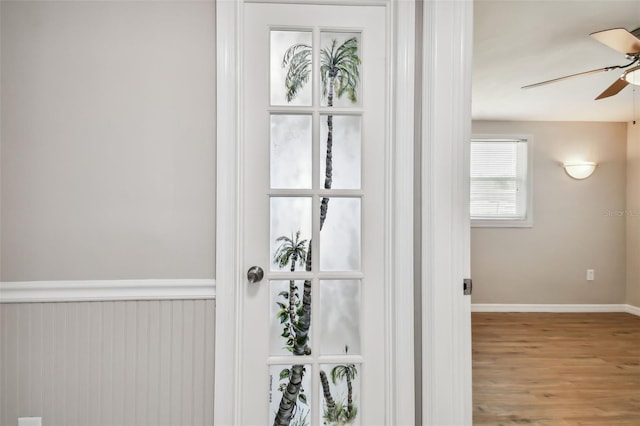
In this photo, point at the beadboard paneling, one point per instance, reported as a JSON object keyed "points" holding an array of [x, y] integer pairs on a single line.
{"points": [[108, 363]]}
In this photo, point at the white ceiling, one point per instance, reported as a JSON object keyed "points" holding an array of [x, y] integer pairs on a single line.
{"points": [[518, 42]]}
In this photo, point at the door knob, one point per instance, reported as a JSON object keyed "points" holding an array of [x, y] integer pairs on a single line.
{"points": [[255, 274]]}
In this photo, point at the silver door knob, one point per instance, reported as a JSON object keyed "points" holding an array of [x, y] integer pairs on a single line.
{"points": [[255, 274]]}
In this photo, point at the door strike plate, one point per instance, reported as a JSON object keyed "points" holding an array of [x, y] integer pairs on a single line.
{"points": [[467, 286]]}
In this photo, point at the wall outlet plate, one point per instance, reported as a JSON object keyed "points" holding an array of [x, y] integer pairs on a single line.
{"points": [[29, 421], [590, 275]]}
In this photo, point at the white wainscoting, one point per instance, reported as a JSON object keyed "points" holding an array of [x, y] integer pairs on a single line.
{"points": [[137, 352], [558, 308]]}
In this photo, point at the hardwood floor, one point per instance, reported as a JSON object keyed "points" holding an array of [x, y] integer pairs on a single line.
{"points": [[556, 369]]}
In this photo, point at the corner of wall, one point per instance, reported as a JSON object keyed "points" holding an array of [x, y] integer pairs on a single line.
{"points": [[633, 214]]}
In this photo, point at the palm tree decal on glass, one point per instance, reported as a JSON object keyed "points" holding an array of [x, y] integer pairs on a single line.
{"points": [[337, 412], [339, 74], [289, 252]]}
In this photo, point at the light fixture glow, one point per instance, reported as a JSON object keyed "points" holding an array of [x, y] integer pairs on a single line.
{"points": [[633, 76], [580, 169]]}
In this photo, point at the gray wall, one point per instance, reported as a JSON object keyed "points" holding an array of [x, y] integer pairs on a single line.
{"points": [[107, 171], [572, 230], [108, 363], [633, 217], [108, 140]]}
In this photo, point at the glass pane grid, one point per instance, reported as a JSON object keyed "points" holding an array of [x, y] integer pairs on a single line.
{"points": [[332, 232]]}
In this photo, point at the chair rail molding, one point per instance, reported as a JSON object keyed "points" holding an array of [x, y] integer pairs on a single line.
{"points": [[103, 290]]}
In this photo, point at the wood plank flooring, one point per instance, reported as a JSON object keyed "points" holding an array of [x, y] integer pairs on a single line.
{"points": [[556, 369]]}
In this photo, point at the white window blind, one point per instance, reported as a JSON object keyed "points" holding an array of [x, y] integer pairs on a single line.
{"points": [[499, 186]]}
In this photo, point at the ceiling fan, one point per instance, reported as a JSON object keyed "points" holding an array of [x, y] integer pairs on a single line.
{"points": [[623, 41]]}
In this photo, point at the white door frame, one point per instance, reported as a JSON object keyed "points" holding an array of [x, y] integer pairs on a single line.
{"points": [[446, 132], [399, 336]]}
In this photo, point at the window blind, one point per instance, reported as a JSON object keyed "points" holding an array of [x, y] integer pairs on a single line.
{"points": [[498, 179]]}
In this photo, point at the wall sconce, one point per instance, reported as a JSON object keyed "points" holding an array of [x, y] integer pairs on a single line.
{"points": [[579, 169]]}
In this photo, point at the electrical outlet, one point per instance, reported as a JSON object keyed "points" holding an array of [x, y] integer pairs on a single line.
{"points": [[29, 421], [590, 275]]}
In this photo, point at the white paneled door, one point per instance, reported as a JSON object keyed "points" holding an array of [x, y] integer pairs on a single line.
{"points": [[315, 190], [315, 138]]}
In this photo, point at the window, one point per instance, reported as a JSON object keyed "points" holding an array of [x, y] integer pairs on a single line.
{"points": [[501, 183]]}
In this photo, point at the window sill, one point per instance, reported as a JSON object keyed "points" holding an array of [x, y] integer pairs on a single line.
{"points": [[502, 223]]}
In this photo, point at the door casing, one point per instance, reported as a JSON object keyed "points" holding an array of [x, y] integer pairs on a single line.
{"points": [[447, 45]]}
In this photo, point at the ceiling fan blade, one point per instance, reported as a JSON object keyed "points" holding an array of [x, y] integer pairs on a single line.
{"points": [[566, 77], [614, 89], [618, 39]]}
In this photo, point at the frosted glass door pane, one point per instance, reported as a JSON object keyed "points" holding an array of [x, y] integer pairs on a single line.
{"points": [[288, 313], [340, 317], [340, 236], [340, 69], [340, 393], [345, 159], [291, 151], [290, 219], [283, 376], [291, 66]]}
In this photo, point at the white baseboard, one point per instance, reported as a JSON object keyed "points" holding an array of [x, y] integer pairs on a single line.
{"points": [[558, 308], [103, 290], [635, 310]]}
